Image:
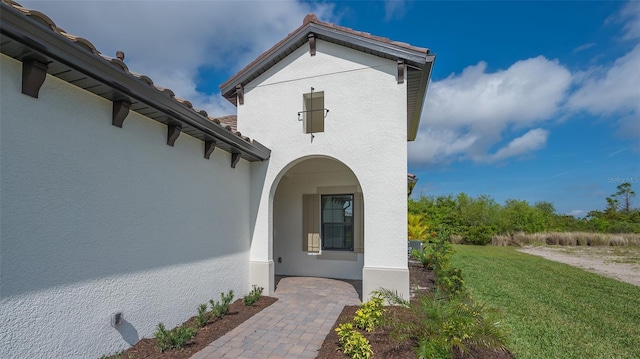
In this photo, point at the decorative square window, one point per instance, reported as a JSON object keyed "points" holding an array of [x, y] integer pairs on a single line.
{"points": [[314, 112]]}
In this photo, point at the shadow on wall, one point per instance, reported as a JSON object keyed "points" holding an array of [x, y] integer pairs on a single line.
{"points": [[128, 332], [107, 201]]}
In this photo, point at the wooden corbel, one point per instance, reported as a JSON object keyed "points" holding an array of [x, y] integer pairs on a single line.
{"points": [[401, 70], [240, 94], [312, 44], [173, 131], [120, 112], [209, 146], [235, 158], [34, 73]]}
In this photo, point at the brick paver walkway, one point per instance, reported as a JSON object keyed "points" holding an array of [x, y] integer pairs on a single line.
{"points": [[293, 327]]}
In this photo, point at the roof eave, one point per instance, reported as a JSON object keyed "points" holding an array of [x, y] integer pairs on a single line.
{"points": [[414, 120], [51, 45], [416, 58]]}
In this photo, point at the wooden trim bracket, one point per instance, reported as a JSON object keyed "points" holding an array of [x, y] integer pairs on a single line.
{"points": [[401, 69], [240, 94], [173, 131], [120, 112], [34, 73], [235, 158], [209, 146], [312, 44]]}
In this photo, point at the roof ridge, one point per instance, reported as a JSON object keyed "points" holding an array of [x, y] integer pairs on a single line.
{"points": [[310, 19]]}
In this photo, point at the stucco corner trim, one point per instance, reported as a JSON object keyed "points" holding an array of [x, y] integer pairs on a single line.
{"points": [[396, 279]]}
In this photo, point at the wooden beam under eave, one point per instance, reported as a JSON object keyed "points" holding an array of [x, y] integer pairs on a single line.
{"points": [[312, 44], [240, 94], [209, 146], [173, 131], [401, 70], [235, 158], [120, 112], [33, 75]]}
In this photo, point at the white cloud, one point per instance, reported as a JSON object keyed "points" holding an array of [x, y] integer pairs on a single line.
{"points": [[630, 15], [394, 9], [533, 140], [433, 146], [467, 114], [170, 40], [614, 89], [473, 110], [583, 47]]}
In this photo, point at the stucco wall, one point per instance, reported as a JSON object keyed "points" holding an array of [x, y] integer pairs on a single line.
{"points": [[365, 129], [97, 219]]}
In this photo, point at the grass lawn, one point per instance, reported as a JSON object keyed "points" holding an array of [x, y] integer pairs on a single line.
{"points": [[553, 310]]}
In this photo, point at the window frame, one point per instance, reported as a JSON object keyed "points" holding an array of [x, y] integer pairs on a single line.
{"points": [[343, 224]]}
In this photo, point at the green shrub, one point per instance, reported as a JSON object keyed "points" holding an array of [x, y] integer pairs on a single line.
{"points": [[450, 281], [435, 255], [433, 349], [353, 343], [220, 309], [416, 227], [440, 323], [253, 296], [203, 315], [424, 256], [175, 338], [369, 316], [480, 234]]}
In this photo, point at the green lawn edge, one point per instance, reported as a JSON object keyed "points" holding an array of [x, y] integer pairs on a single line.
{"points": [[550, 309]]}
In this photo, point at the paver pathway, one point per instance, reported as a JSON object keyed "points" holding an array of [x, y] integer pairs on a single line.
{"points": [[293, 327]]}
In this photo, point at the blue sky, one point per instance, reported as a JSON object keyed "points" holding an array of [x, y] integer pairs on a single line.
{"points": [[536, 100]]}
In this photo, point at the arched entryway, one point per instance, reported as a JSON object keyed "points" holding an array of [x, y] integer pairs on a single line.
{"points": [[318, 226]]}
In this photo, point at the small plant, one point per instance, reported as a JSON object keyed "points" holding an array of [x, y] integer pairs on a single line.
{"points": [[175, 338], [203, 315], [220, 309], [416, 228], [369, 316], [435, 255], [424, 256], [353, 343], [451, 282], [439, 323], [253, 296]]}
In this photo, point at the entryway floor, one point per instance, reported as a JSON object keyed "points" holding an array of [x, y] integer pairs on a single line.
{"points": [[293, 327]]}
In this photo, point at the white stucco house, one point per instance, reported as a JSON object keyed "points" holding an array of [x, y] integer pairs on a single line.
{"points": [[118, 197]]}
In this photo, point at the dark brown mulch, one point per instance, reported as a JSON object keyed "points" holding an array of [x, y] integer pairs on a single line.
{"points": [[238, 313], [381, 345]]}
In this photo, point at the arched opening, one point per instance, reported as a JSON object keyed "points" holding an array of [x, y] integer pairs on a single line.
{"points": [[318, 212]]}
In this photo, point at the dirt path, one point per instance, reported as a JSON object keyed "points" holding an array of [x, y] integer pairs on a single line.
{"points": [[621, 263]]}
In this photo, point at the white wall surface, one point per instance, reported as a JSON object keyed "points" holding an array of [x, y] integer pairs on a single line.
{"points": [[97, 219], [365, 129]]}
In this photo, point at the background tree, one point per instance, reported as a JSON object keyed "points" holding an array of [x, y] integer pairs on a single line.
{"points": [[624, 196]]}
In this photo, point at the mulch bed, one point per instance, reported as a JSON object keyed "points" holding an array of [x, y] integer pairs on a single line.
{"points": [[238, 313], [381, 345]]}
